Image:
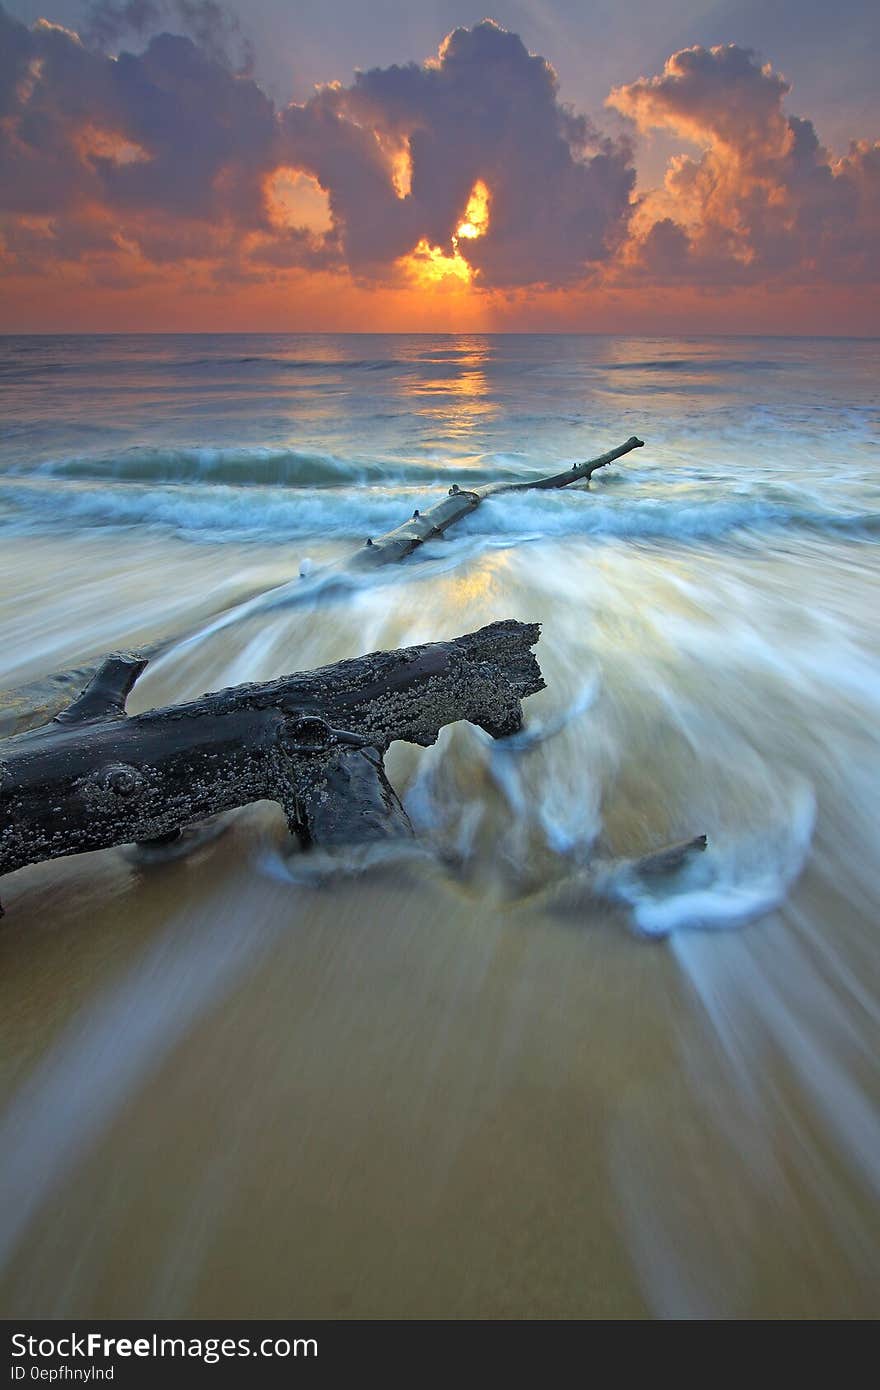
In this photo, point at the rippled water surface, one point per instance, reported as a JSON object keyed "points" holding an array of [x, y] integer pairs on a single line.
{"points": [[507, 1077]]}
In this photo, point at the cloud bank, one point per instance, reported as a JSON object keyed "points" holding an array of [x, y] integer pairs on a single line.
{"points": [[121, 169], [764, 201]]}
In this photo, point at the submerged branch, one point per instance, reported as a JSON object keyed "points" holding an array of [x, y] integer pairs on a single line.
{"points": [[423, 526]]}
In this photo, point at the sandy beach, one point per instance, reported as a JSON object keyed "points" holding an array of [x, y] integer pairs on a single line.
{"points": [[393, 1098]]}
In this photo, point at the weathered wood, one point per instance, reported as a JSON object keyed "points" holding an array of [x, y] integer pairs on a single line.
{"points": [[422, 526], [38, 701], [578, 472], [312, 741], [351, 793], [106, 693]]}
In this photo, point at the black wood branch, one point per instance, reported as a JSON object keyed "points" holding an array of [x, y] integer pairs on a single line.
{"points": [[106, 693], [350, 800], [312, 741]]}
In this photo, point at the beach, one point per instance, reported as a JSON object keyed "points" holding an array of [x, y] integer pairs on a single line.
{"points": [[463, 1082]]}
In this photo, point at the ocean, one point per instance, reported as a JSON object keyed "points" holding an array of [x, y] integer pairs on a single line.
{"points": [[468, 1084]]}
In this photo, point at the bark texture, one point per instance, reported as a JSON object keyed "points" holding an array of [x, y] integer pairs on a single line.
{"points": [[314, 741]]}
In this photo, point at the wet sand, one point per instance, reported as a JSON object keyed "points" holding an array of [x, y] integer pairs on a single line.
{"points": [[239, 1098]]}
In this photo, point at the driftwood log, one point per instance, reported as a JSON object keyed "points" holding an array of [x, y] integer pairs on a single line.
{"points": [[95, 777], [423, 526]]}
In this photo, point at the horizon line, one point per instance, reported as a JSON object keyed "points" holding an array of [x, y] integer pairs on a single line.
{"points": [[414, 333]]}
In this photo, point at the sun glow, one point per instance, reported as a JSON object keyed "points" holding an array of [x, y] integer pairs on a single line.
{"points": [[476, 215], [431, 266], [401, 169], [295, 199]]}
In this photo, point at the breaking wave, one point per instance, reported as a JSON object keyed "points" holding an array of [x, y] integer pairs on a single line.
{"points": [[220, 511], [256, 466]]}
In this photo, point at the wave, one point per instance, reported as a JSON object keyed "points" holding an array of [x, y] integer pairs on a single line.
{"points": [[221, 512], [13, 369], [651, 519], [261, 467], [725, 887], [693, 364], [212, 513], [288, 364]]}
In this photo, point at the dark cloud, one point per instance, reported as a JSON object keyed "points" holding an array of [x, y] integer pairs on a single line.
{"points": [[376, 227], [108, 21], [215, 29], [166, 134], [764, 200], [487, 110]]}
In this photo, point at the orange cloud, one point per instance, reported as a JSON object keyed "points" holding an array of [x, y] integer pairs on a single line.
{"points": [[764, 201]]}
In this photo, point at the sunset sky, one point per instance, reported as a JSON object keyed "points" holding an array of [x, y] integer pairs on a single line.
{"points": [[627, 165]]}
